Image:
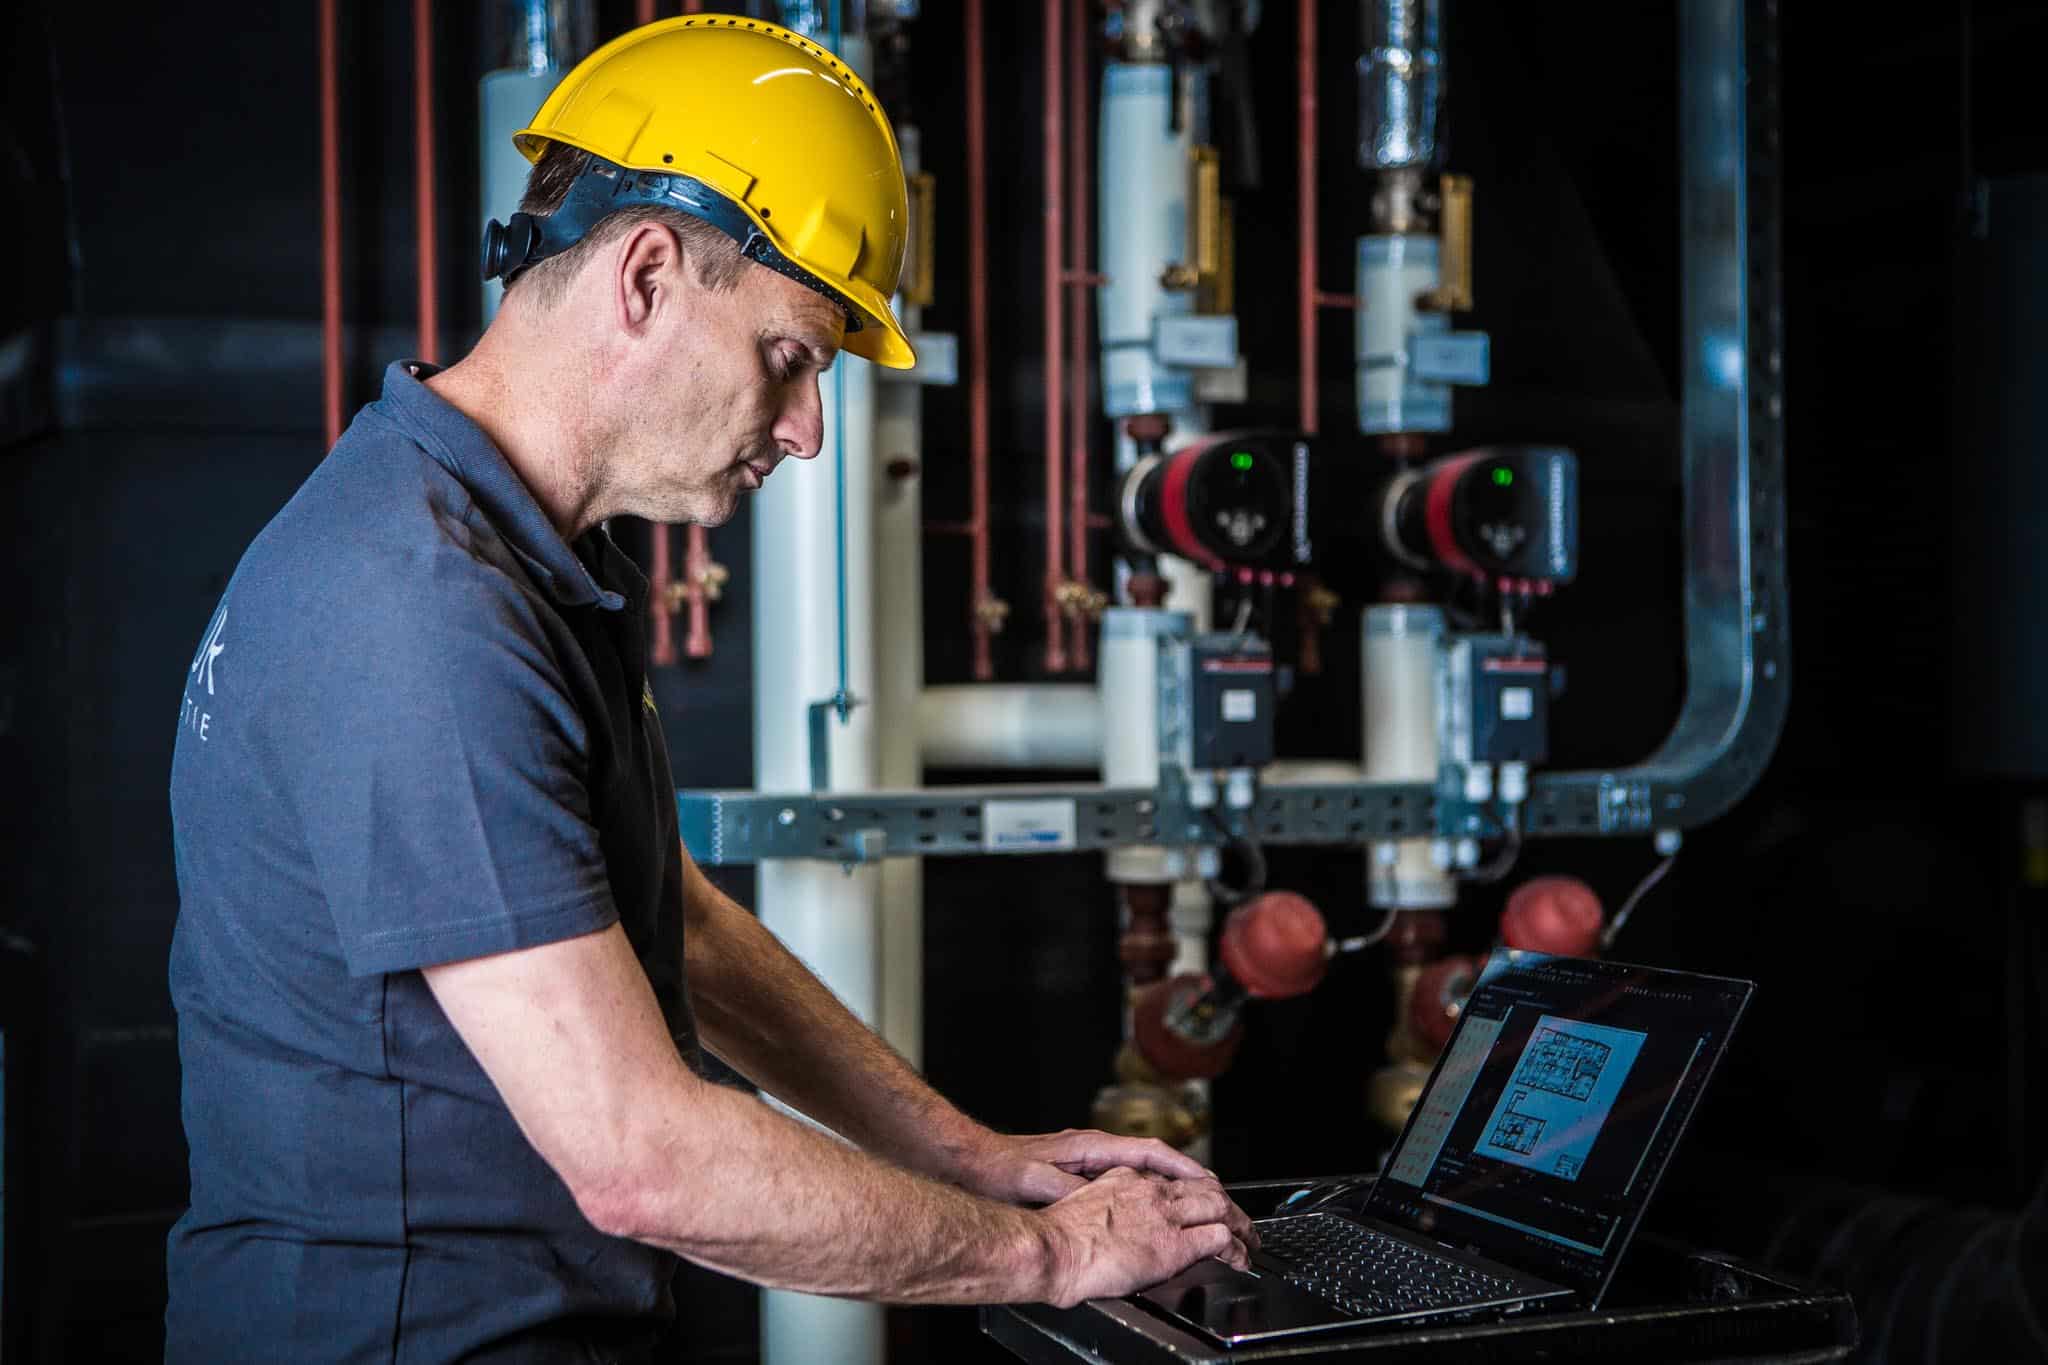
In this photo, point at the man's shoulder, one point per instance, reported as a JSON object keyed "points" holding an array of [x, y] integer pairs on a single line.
{"points": [[382, 536]]}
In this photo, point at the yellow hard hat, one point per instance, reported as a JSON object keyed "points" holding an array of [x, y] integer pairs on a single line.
{"points": [[777, 128]]}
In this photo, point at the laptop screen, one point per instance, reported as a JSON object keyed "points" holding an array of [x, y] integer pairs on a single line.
{"points": [[1553, 1109]]}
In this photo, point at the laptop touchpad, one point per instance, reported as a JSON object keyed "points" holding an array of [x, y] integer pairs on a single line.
{"points": [[1230, 1304]]}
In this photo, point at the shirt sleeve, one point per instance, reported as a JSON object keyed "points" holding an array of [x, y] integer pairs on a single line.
{"points": [[442, 782]]}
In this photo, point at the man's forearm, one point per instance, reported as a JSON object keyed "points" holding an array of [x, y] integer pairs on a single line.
{"points": [[783, 1205], [769, 1017]]}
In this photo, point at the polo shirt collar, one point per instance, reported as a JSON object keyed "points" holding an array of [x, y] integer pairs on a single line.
{"points": [[461, 446]]}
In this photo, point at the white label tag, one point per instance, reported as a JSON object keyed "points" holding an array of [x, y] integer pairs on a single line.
{"points": [[1517, 703], [1240, 704], [1027, 824]]}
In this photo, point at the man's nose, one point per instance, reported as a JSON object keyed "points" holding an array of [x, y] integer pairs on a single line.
{"points": [[800, 429]]}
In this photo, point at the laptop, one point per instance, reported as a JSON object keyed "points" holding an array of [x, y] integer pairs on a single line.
{"points": [[1522, 1173]]}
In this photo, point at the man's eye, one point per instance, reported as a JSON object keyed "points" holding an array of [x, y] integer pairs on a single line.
{"points": [[786, 365]]}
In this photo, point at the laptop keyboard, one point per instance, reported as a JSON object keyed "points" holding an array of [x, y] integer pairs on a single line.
{"points": [[1369, 1273]]}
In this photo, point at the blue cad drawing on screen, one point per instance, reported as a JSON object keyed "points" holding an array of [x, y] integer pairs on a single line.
{"points": [[1564, 1085]]}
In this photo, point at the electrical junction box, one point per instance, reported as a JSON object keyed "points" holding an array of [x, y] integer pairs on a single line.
{"points": [[1496, 700], [1230, 693]]}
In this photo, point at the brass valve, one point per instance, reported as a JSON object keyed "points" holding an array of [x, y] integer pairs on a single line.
{"points": [[992, 612], [1205, 223], [708, 583], [1322, 603], [919, 272], [1080, 601], [1454, 226]]}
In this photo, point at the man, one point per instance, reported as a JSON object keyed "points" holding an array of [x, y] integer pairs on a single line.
{"points": [[442, 966]]}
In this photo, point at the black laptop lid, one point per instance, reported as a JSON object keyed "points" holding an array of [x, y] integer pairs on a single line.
{"points": [[1553, 1109]]}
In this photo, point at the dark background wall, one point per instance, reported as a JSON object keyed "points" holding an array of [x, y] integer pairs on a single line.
{"points": [[159, 399]]}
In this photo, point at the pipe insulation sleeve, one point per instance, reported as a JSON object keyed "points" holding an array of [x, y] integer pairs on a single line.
{"points": [[1026, 725], [1401, 648], [1142, 218], [1393, 271]]}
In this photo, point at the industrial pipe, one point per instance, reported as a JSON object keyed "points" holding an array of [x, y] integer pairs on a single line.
{"points": [[982, 606], [1054, 298], [1077, 320], [1305, 207], [423, 177], [661, 649], [697, 592], [1039, 725], [330, 226]]}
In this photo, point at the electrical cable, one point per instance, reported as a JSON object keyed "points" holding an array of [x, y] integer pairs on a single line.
{"points": [[1255, 866], [1504, 861], [1363, 941], [1643, 888]]}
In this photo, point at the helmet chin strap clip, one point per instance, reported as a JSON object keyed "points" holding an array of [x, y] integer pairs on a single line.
{"points": [[601, 190]]}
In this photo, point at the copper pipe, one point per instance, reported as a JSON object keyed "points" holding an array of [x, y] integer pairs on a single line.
{"points": [[1077, 324], [643, 12], [423, 177], [1305, 206], [1055, 360], [330, 226], [1326, 299], [697, 592], [977, 344], [661, 649]]}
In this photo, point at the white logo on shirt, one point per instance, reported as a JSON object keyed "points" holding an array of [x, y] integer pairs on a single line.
{"points": [[209, 650]]}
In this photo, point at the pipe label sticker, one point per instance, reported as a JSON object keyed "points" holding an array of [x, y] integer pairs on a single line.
{"points": [[1008, 826]]}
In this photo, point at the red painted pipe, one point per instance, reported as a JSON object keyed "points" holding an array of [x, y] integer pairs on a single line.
{"points": [[977, 343], [1055, 360], [330, 226], [696, 574], [423, 177], [661, 647], [1077, 323], [1305, 207]]}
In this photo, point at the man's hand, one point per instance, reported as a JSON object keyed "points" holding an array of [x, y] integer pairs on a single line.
{"points": [[1045, 1167], [1127, 1230]]}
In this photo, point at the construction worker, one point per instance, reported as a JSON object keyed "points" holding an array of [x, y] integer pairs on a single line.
{"points": [[442, 966]]}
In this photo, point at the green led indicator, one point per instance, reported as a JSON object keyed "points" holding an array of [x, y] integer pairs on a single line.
{"points": [[1502, 478], [1242, 461]]}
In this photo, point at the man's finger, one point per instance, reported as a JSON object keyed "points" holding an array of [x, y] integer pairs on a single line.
{"points": [[1240, 1224], [1237, 1257], [1201, 1204], [1090, 1151], [1045, 1184], [1210, 1239], [1150, 1154]]}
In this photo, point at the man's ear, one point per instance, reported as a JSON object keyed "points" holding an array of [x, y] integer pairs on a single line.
{"points": [[649, 273]]}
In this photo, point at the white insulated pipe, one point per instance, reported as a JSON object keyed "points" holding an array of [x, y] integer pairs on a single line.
{"points": [[1402, 648], [830, 917], [1143, 174], [1394, 270], [997, 725], [899, 665]]}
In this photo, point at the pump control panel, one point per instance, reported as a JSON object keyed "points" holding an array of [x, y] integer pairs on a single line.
{"points": [[1230, 687]]}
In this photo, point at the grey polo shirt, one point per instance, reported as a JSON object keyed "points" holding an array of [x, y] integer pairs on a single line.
{"points": [[417, 730]]}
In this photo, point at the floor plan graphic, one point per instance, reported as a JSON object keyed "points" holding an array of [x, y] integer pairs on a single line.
{"points": [[1557, 1098], [1563, 1063], [1517, 1131]]}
